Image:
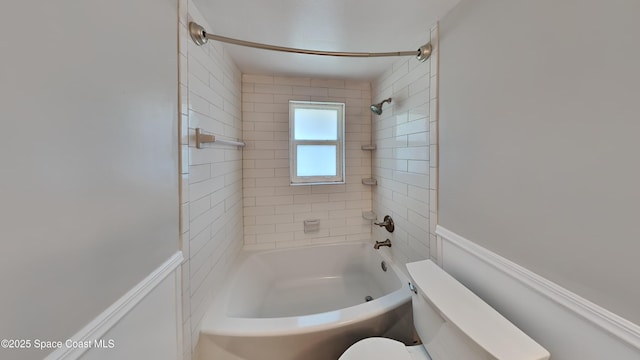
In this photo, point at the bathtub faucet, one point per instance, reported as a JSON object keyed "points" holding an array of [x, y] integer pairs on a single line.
{"points": [[382, 243], [387, 223]]}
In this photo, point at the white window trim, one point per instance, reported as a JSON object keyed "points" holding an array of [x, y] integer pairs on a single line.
{"points": [[340, 177]]}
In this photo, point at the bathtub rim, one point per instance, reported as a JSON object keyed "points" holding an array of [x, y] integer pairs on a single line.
{"points": [[217, 322]]}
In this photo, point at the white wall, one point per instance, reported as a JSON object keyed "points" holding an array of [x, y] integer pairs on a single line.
{"points": [[212, 177], [405, 160], [538, 140], [149, 331], [568, 326], [274, 211], [89, 191]]}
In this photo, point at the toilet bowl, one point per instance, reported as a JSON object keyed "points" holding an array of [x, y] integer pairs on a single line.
{"points": [[453, 323], [383, 348]]}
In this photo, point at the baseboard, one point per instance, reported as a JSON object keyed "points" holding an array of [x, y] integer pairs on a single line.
{"points": [[97, 328], [609, 322]]}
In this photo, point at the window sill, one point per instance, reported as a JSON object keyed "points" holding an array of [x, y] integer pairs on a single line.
{"points": [[319, 183]]}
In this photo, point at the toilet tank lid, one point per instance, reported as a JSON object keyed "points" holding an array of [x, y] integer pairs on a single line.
{"points": [[470, 314]]}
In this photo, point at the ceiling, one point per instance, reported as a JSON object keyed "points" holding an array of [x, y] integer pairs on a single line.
{"points": [[329, 25]]}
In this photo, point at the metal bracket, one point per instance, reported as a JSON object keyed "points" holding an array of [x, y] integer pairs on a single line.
{"points": [[424, 52], [203, 138], [198, 34]]}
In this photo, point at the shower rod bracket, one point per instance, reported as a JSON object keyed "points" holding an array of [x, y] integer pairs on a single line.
{"points": [[198, 33], [424, 52], [200, 36]]}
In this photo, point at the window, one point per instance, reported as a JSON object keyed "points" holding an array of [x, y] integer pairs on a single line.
{"points": [[316, 132]]}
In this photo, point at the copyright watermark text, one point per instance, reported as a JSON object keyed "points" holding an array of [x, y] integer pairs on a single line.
{"points": [[57, 344]]}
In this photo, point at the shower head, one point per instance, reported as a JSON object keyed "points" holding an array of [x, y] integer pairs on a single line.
{"points": [[377, 108]]}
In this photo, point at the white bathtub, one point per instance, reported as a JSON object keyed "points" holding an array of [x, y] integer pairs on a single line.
{"points": [[305, 303]]}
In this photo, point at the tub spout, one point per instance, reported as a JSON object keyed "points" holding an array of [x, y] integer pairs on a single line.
{"points": [[382, 243]]}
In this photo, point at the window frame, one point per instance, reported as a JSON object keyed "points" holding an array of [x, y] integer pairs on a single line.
{"points": [[340, 177]]}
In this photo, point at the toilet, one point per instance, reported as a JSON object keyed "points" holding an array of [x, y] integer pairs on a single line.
{"points": [[453, 324]]}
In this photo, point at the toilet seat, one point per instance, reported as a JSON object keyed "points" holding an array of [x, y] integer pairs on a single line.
{"points": [[377, 348]]}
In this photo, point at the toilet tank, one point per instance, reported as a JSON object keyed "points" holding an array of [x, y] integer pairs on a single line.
{"points": [[454, 323]]}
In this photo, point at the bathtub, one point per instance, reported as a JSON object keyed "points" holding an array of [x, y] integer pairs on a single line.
{"points": [[306, 304]]}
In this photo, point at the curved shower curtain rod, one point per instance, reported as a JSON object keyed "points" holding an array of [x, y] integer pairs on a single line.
{"points": [[200, 37]]}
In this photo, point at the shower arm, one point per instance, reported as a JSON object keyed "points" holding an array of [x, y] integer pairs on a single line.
{"points": [[200, 37]]}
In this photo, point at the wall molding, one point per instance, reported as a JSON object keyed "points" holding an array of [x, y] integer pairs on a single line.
{"points": [[97, 328], [606, 320]]}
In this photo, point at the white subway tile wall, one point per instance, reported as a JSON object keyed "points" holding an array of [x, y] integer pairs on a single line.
{"points": [[211, 178], [405, 160], [275, 211]]}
